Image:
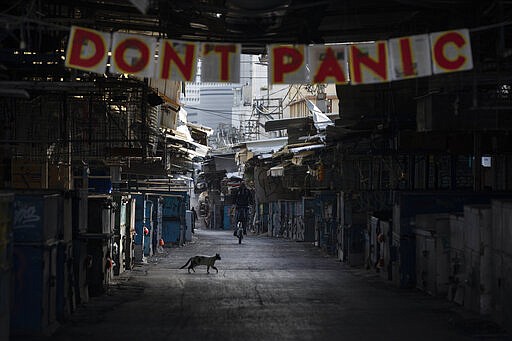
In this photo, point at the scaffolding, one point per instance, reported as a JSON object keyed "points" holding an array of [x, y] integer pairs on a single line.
{"points": [[263, 110]]}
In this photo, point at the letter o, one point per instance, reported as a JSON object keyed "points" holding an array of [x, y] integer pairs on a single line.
{"points": [[136, 44]]}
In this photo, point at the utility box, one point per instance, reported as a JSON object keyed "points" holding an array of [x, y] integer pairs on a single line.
{"points": [[37, 217], [99, 237], [99, 271], [100, 216], [478, 257], [79, 212], [33, 310], [432, 253], [228, 221], [173, 213]]}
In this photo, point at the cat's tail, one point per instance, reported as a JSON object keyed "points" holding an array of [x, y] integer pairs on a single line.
{"points": [[183, 267]]}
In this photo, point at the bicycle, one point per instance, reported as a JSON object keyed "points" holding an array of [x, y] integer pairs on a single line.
{"points": [[239, 232], [241, 223]]}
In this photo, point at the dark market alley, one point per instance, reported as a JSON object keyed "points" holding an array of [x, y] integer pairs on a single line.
{"points": [[266, 289]]}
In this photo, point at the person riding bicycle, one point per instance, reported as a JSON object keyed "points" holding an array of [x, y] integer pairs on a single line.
{"points": [[242, 199]]}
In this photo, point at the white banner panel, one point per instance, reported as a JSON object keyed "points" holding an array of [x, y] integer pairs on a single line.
{"points": [[220, 62], [133, 54], [328, 63], [287, 64], [87, 50], [177, 60], [410, 57], [376, 62], [369, 63], [451, 51]]}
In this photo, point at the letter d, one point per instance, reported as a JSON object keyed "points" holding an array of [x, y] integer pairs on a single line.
{"points": [[94, 57]]}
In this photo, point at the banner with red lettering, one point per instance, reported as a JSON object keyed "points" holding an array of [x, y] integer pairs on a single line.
{"points": [[287, 64], [369, 63], [410, 57], [133, 54], [220, 62], [87, 50], [328, 63], [177, 60], [451, 51], [354, 63]]}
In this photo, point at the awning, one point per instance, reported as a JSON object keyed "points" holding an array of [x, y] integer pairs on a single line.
{"points": [[190, 147], [320, 119], [207, 130], [304, 148], [298, 158], [287, 123], [276, 171]]}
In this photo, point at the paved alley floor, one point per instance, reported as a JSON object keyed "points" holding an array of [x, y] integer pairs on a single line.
{"points": [[266, 289]]}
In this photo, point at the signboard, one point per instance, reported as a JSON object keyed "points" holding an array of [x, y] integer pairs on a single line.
{"points": [[355, 63]]}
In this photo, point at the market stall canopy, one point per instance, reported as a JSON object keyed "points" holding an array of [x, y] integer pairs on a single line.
{"points": [[295, 122], [249, 149]]}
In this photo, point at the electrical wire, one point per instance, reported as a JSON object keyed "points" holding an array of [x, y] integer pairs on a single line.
{"points": [[290, 102], [218, 113], [12, 7], [35, 21]]}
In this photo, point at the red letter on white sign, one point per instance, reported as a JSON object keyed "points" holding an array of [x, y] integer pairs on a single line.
{"points": [[87, 50]]}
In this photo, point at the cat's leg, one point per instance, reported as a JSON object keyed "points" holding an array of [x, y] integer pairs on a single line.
{"points": [[213, 267], [207, 269]]}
